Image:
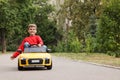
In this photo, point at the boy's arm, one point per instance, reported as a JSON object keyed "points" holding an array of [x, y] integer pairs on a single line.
{"points": [[40, 41], [15, 54], [19, 50]]}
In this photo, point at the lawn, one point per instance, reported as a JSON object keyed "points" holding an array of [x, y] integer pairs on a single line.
{"points": [[92, 57]]}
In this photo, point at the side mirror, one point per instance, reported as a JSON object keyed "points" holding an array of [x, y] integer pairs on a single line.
{"points": [[49, 50]]}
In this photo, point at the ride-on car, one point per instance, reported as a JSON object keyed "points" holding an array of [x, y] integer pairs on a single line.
{"points": [[35, 57]]}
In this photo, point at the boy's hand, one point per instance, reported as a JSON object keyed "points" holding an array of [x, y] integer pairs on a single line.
{"points": [[39, 45], [12, 57]]}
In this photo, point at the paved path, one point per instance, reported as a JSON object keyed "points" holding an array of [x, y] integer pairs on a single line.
{"points": [[63, 69]]}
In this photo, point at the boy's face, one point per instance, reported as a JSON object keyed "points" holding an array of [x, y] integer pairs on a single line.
{"points": [[32, 30]]}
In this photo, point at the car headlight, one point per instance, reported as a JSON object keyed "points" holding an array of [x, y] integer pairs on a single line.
{"points": [[23, 60], [47, 60]]}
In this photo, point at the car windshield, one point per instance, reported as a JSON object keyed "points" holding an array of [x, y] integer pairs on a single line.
{"points": [[34, 49]]}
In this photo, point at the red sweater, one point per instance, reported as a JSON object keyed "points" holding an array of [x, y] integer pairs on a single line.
{"points": [[32, 40]]}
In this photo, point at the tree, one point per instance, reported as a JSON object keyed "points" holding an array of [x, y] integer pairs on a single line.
{"points": [[46, 26], [108, 31], [8, 19], [79, 12]]}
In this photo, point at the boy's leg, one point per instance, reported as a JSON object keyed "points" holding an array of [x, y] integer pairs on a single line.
{"points": [[26, 45], [44, 46]]}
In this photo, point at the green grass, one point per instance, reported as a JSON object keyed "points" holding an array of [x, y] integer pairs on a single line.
{"points": [[91, 57]]}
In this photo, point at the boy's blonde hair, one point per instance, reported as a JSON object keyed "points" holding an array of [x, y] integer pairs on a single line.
{"points": [[32, 25]]}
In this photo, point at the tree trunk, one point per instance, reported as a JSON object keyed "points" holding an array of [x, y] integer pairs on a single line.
{"points": [[3, 40]]}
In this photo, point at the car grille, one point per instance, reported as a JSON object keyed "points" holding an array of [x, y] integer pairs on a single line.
{"points": [[35, 61]]}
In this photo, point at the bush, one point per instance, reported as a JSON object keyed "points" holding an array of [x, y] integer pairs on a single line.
{"points": [[91, 44], [12, 47], [60, 47], [69, 44], [108, 30], [116, 53], [75, 46]]}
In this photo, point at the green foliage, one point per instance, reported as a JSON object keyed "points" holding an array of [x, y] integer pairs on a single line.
{"points": [[115, 53], [46, 27], [8, 16], [108, 32], [75, 46], [71, 44], [79, 12], [12, 47], [91, 44], [17, 14], [61, 47]]}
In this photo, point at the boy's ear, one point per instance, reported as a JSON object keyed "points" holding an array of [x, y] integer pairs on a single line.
{"points": [[36, 30]]}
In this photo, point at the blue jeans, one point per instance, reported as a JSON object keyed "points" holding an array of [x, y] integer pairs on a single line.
{"points": [[27, 45]]}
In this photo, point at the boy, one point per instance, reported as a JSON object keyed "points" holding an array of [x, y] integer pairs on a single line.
{"points": [[32, 40]]}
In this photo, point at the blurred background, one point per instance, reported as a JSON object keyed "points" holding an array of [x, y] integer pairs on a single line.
{"points": [[77, 26]]}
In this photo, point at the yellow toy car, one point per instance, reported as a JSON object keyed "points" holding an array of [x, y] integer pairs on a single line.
{"points": [[34, 57]]}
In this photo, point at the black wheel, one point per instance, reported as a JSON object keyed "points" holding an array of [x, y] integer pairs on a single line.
{"points": [[49, 67], [19, 67]]}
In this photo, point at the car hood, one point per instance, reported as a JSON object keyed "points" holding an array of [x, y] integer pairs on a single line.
{"points": [[35, 55]]}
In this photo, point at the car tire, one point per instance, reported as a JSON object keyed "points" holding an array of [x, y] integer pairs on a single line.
{"points": [[19, 67], [49, 67]]}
